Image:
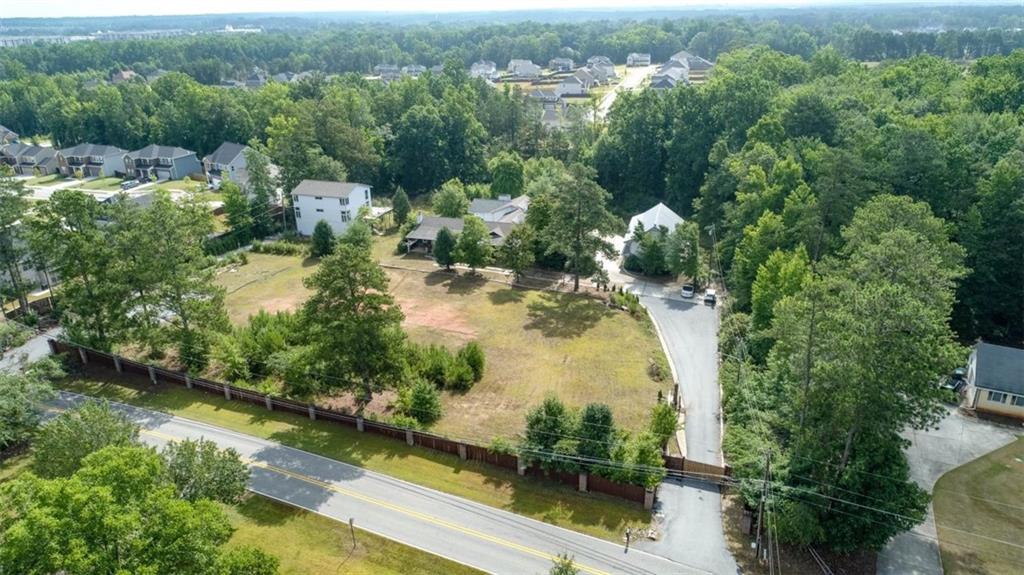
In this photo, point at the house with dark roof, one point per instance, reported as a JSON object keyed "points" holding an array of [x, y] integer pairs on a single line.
{"points": [[162, 162], [422, 237], [697, 67], [638, 59], [995, 380], [29, 160], [561, 64], [336, 203], [602, 69], [91, 161], [414, 70], [227, 162], [504, 209], [669, 77], [7, 135], [387, 72]]}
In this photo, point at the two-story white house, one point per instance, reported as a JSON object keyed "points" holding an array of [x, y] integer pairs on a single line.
{"points": [[336, 203]]}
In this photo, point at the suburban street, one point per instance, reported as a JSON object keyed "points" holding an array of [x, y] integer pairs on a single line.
{"points": [[632, 80], [489, 539], [957, 440]]}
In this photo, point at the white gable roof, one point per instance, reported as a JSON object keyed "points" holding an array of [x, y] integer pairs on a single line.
{"points": [[658, 216]]}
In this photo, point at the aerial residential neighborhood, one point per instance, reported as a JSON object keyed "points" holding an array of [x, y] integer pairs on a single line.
{"points": [[458, 289]]}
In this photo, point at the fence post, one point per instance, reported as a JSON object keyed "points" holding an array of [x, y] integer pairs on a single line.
{"points": [[583, 481], [462, 451], [359, 424], [270, 402], [520, 466], [117, 364], [83, 355], [409, 438], [152, 374], [53, 346], [188, 381], [312, 412], [227, 392], [648, 499]]}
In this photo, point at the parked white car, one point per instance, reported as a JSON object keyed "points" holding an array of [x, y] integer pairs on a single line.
{"points": [[687, 291], [710, 297]]}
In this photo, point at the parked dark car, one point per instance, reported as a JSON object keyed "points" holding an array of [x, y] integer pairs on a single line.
{"points": [[129, 184]]}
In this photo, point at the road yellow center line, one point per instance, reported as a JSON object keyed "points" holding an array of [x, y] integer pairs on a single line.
{"points": [[404, 510]]}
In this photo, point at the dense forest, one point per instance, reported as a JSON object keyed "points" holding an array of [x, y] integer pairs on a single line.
{"points": [[867, 220]]}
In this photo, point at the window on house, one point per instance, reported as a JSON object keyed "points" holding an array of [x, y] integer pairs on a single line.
{"points": [[346, 216], [298, 212], [318, 197], [1017, 400], [343, 201], [366, 195], [996, 397], [320, 210]]}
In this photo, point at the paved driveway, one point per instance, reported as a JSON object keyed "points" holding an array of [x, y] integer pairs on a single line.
{"points": [[631, 81], [957, 440], [484, 537]]}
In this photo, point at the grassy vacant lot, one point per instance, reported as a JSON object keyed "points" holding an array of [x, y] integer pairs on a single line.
{"points": [[536, 342], [102, 184], [44, 180], [307, 543], [983, 497], [594, 514]]}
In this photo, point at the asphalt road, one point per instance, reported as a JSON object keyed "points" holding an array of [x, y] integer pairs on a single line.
{"points": [[489, 539], [632, 79]]}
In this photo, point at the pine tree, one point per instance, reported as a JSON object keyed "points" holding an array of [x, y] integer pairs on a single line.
{"points": [[444, 248], [323, 240]]}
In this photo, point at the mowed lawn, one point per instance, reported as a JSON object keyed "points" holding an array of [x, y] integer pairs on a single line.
{"points": [[536, 342], [307, 543], [983, 497], [593, 514]]}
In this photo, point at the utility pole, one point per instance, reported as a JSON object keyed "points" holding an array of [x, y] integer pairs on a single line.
{"points": [[760, 505]]}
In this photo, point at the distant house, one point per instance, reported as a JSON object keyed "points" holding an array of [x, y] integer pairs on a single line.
{"points": [[283, 77], [655, 220], [162, 162], [698, 67], [227, 162], [578, 84], [336, 203], [257, 78], [91, 160], [422, 237], [544, 96], [523, 69], [669, 77], [995, 380], [7, 135], [561, 64], [504, 209], [122, 76], [638, 59], [485, 69], [602, 68], [27, 160], [414, 70], [387, 72]]}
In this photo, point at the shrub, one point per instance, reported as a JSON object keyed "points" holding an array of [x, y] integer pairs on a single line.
{"points": [[402, 420], [473, 355], [323, 240], [292, 366], [227, 352], [501, 445], [421, 401], [13, 335], [432, 363], [632, 263], [658, 368], [459, 376], [279, 248], [664, 422]]}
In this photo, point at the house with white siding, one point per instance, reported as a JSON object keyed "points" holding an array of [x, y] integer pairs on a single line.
{"points": [[336, 203]]}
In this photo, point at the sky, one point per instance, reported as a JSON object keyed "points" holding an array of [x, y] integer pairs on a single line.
{"points": [[71, 8]]}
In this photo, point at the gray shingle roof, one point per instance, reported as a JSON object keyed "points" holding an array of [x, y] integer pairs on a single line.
{"points": [[225, 153], [7, 133], [999, 368], [325, 189], [430, 225], [92, 150], [153, 151]]}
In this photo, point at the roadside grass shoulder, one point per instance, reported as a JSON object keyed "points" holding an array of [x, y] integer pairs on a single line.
{"points": [[594, 514], [982, 497]]}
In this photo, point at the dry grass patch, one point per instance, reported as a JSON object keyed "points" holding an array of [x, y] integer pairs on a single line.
{"points": [[268, 282]]}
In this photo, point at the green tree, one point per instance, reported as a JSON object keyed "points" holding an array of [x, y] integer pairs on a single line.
{"points": [[13, 207], [65, 441], [516, 253], [546, 425], [664, 421], [783, 274], [444, 248], [596, 433], [239, 212], [652, 253], [473, 354], [145, 529], [22, 406], [422, 402], [354, 325], [506, 174], [758, 243], [579, 222], [450, 200], [473, 246], [261, 189], [323, 240], [418, 150], [358, 234], [682, 250], [246, 561], [199, 470], [400, 203]]}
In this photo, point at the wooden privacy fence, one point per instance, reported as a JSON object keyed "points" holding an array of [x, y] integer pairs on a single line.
{"points": [[465, 451]]}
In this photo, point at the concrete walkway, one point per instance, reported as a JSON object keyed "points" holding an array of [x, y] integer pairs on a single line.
{"points": [[957, 440], [489, 539]]}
